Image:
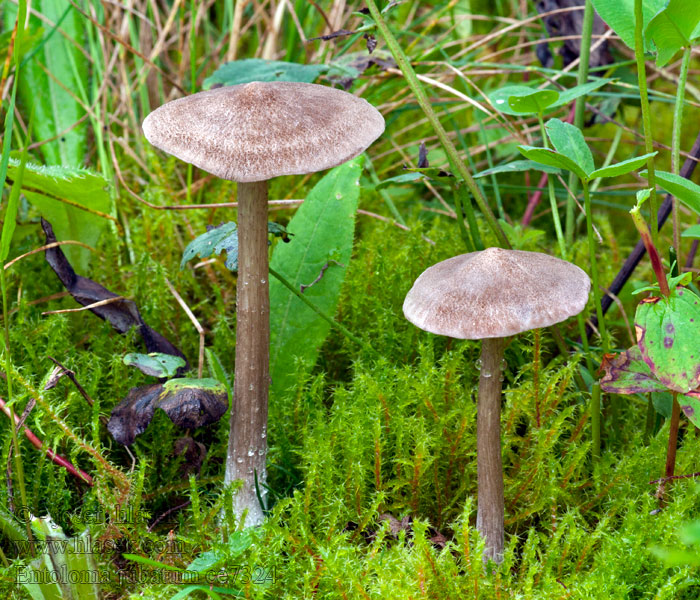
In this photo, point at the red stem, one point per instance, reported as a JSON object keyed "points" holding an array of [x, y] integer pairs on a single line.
{"points": [[57, 458]]}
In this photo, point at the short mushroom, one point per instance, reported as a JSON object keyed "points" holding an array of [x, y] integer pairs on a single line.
{"points": [[250, 133], [491, 295]]}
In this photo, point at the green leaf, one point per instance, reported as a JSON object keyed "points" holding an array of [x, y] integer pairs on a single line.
{"points": [[516, 100], [210, 384], [691, 232], [400, 179], [621, 168], [50, 82], [672, 29], [156, 364], [75, 201], [323, 229], [683, 189], [619, 15], [258, 69], [577, 91], [533, 103], [222, 238], [215, 241], [568, 140], [690, 405], [517, 165], [552, 158], [668, 330], [627, 373]]}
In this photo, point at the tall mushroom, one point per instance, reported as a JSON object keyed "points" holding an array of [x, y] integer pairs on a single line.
{"points": [[491, 295], [250, 133]]}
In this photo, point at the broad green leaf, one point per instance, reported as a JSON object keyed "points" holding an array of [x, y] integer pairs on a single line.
{"points": [[568, 140], [258, 69], [323, 229], [663, 403], [672, 28], [683, 189], [552, 158], [156, 364], [500, 98], [621, 168], [668, 330], [53, 79], [627, 373], [75, 201], [692, 232], [535, 102], [517, 165], [619, 15]]}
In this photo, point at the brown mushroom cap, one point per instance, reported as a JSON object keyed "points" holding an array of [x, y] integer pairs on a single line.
{"points": [[496, 293], [257, 131]]}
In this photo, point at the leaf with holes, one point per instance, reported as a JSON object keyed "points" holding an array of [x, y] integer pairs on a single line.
{"points": [[668, 330]]}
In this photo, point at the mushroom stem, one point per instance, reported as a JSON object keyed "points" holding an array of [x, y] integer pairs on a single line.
{"points": [[490, 505], [247, 447]]}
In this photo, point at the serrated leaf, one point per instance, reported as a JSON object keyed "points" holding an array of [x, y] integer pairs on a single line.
{"points": [[568, 140], [619, 15], [156, 364], [681, 188], [668, 330], [621, 168], [672, 28], [552, 158], [323, 229], [59, 193], [258, 69], [518, 165]]}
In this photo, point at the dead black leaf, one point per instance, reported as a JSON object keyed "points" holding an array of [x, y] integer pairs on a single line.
{"points": [[423, 156], [569, 24], [371, 42], [190, 403], [122, 313]]}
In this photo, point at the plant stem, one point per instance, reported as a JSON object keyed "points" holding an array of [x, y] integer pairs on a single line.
{"points": [[247, 444], [594, 267], [344, 330], [595, 421], [552, 195], [460, 220], [672, 446], [489, 468], [19, 467], [646, 115], [676, 142], [452, 155], [579, 109]]}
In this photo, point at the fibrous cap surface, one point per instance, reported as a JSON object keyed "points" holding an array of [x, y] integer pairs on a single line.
{"points": [[496, 293], [260, 130]]}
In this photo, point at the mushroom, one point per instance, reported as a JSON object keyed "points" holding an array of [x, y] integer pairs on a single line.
{"points": [[491, 295], [250, 133]]}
